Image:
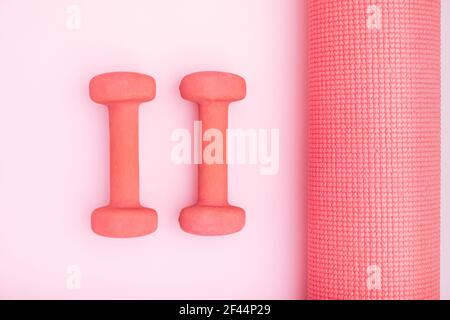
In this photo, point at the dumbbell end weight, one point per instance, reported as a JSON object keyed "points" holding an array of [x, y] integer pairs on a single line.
{"points": [[110, 88], [124, 222], [212, 220], [213, 86]]}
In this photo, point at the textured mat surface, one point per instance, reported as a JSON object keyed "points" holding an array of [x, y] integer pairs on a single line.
{"points": [[374, 149]]}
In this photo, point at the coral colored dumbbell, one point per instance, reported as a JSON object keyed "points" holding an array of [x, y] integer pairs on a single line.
{"points": [[122, 93], [212, 215]]}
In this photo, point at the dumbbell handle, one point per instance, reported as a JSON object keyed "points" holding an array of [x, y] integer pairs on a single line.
{"points": [[212, 178], [124, 155]]}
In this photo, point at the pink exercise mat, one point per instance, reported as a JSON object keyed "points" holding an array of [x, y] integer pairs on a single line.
{"points": [[374, 149]]}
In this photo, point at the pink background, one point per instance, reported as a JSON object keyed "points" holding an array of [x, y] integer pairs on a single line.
{"points": [[53, 142]]}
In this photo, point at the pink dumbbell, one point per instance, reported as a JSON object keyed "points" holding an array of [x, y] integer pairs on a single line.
{"points": [[122, 92], [212, 215]]}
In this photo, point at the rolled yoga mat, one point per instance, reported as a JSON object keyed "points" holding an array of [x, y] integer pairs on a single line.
{"points": [[374, 149]]}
